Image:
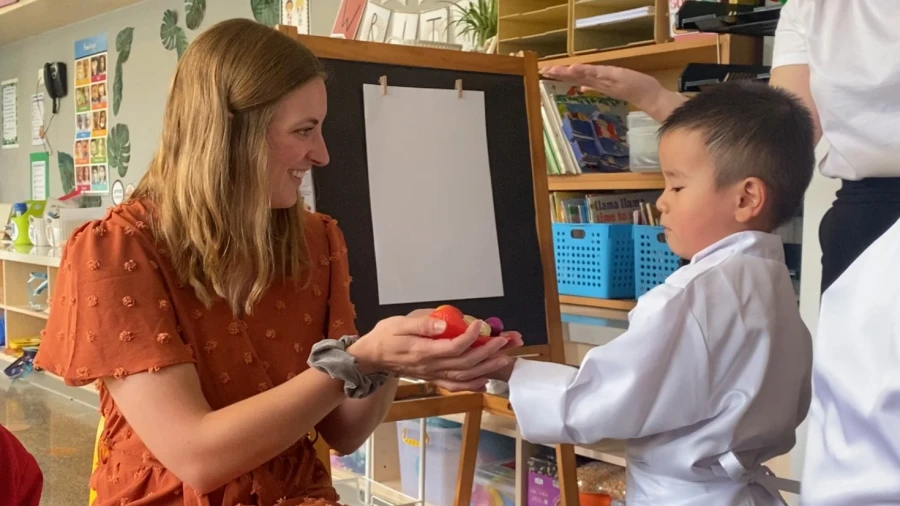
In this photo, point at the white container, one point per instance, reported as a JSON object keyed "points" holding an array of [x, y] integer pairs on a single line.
{"points": [[643, 143], [443, 445]]}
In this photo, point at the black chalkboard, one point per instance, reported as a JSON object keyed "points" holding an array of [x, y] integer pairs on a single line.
{"points": [[342, 190]]}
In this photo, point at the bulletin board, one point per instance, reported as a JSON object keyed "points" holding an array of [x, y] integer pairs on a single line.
{"points": [[529, 303]]}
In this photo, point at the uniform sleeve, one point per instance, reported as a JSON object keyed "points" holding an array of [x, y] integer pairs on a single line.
{"points": [[111, 314], [652, 378], [341, 312], [790, 36]]}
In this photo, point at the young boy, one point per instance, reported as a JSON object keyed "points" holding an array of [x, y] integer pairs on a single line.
{"points": [[713, 374]]}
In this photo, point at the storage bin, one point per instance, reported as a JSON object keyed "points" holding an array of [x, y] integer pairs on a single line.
{"points": [[354, 462], [643, 143], [495, 485], [654, 261], [443, 444], [594, 260]]}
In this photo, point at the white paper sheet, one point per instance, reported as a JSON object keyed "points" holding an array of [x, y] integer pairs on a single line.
{"points": [[430, 189], [9, 103], [37, 119]]}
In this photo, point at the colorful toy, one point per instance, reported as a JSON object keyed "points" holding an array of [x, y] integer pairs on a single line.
{"points": [[458, 322]]}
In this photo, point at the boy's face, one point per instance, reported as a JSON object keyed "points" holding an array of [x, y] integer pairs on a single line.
{"points": [[695, 212]]}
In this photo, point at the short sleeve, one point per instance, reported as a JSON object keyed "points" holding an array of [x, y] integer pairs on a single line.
{"points": [[790, 36], [341, 312], [111, 313]]}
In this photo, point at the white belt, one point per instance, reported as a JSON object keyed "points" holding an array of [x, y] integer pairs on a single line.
{"points": [[761, 475]]}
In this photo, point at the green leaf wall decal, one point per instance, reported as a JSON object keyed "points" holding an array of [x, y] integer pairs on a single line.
{"points": [[117, 88], [123, 44], [172, 35], [194, 10], [119, 148], [267, 12], [66, 171]]}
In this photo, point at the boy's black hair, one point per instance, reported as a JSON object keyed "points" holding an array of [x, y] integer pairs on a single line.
{"points": [[754, 130]]}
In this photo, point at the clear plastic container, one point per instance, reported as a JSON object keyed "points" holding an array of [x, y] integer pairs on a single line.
{"points": [[643, 143], [443, 445]]}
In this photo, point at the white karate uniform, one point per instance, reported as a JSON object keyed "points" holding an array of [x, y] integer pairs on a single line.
{"points": [[853, 439], [709, 381]]}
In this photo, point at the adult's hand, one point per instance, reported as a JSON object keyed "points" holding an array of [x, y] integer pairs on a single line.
{"points": [[641, 90], [403, 345]]}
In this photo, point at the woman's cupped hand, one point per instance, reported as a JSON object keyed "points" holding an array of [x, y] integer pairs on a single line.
{"points": [[404, 345]]}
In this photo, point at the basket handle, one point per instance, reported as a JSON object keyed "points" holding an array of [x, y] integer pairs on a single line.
{"points": [[577, 233]]}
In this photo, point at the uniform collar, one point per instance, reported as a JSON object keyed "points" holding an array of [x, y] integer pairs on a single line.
{"points": [[755, 243]]}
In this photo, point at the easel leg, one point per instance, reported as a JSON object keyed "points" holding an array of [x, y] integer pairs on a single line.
{"points": [[568, 478], [524, 451], [467, 458]]}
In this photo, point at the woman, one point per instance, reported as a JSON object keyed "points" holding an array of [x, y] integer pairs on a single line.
{"points": [[841, 59], [199, 303]]}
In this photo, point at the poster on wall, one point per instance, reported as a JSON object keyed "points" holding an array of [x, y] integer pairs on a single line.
{"points": [[349, 15], [296, 13], [91, 115], [9, 101]]}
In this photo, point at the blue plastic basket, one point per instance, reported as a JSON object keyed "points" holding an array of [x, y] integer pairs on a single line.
{"points": [[594, 260], [653, 259]]}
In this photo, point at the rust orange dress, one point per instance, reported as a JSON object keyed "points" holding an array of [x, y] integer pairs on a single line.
{"points": [[118, 309]]}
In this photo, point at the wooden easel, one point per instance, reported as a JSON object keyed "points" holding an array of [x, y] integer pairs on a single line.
{"points": [[419, 401]]}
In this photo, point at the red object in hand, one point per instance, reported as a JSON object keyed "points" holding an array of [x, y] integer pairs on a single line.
{"points": [[456, 323]]}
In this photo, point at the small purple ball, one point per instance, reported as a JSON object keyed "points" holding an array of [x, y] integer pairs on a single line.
{"points": [[496, 325]]}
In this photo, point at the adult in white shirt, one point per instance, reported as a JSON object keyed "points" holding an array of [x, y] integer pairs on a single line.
{"points": [[842, 58]]}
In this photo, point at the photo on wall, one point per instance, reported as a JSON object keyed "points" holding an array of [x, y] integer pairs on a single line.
{"points": [[91, 115], [296, 13]]}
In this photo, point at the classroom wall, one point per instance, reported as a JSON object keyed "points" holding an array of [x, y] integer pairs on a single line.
{"points": [[146, 76]]}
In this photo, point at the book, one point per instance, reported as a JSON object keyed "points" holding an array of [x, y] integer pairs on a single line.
{"points": [[592, 125]]}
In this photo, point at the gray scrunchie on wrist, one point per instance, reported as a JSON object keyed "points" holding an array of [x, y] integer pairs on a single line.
{"points": [[330, 357]]}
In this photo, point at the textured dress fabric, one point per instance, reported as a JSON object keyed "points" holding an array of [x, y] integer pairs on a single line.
{"points": [[118, 308]]}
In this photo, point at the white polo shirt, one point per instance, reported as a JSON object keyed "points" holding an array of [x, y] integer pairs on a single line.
{"points": [[852, 48]]}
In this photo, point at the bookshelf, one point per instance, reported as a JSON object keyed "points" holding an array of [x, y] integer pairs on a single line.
{"points": [[548, 27], [620, 181]]}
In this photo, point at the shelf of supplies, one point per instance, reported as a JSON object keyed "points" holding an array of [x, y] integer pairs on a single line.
{"points": [[728, 18], [700, 76], [552, 14], [652, 57], [611, 181], [619, 305], [609, 451], [27, 18], [26, 310]]}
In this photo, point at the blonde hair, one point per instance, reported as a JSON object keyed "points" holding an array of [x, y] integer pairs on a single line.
{"points": [[208, 181]]}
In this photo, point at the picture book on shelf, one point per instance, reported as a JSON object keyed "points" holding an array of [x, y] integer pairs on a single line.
{"points": [[581, 207], [591, 124]]}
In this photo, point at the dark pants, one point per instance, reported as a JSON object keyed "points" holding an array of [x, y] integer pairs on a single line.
{"points": [[862, 212]]}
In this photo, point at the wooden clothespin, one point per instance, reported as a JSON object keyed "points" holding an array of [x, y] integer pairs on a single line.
{"points": [[459, 88], [383, 81]]}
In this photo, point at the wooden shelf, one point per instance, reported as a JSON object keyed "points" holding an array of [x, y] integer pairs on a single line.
{"points": [[553, 13], [615, 181], [702, 48], [619, 305], [28, 18], [26, 310]]}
